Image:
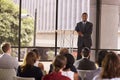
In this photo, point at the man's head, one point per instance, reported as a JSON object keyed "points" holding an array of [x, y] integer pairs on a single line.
{"points": [[64, 51], [86, 52], [84, 17], [101, 56], [6, 47]]}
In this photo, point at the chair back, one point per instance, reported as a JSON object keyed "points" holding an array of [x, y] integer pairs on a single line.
{"points": [[7, 74], [82, 73], [22, 78]]}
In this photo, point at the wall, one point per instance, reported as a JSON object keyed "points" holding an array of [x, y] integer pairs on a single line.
{"points": [[109, 26]]}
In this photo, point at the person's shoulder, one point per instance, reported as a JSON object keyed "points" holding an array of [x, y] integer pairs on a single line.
{"points": [[46, 77], [36, 68], [49, 77], [91, 62], [7, 57], [19, 67], [89, 22], [79, 22], [64, 78]]}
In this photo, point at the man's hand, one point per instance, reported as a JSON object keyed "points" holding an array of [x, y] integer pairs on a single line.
{"points": [[80, 34]]}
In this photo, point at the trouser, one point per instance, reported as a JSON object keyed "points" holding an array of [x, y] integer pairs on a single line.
{"points": [[79, 56]]}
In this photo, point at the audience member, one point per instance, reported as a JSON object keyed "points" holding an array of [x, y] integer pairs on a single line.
{"points": [[59, 63], [64, 51], [27, 69], [67, 70], [41, 66], [6, 60], [85, 63], [37, 57], [110, 68], [101, 56]]}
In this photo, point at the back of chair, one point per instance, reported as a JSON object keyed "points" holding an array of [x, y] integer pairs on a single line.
{"points": [[82, 73], [7, 74], [21, 78]]}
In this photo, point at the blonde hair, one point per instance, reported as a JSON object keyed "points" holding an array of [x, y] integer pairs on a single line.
{"points": [[28, 61]]}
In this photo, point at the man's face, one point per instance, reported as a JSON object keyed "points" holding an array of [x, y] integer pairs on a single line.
{"points": [[84, 17]]}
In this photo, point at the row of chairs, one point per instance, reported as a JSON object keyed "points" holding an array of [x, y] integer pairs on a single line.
{"points": [[10, 74]]}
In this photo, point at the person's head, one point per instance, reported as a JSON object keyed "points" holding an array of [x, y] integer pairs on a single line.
{"points": [[84, 17], [101, 56], [37, 53], [70, 61], [64, 51], [86, 52], [59, 63], [41, 66], [6, 47], [29, 59], [110, 66]]}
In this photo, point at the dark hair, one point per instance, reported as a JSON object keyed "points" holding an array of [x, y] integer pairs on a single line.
{"points": [[64, 51], [5, 46], [36, 52], [85, 51], [70, 61], [59, 62], [101, 56], [110, 66], [84, 13], [28, 61]]}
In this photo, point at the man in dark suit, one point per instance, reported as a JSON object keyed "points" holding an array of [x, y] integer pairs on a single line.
{"points": [[84, 30], [85, 63]]}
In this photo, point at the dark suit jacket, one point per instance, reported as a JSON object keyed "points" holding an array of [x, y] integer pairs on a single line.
{"points": [[33, 72], [87, 31], [86, 64]]}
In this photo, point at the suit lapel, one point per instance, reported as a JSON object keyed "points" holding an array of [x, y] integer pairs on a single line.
{"points": [[85, 27]]}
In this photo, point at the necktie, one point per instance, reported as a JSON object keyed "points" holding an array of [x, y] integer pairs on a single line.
{"points": [[84, 25]]}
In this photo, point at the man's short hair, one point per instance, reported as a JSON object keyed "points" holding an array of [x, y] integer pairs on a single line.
{"points": [[5, 46], [84, 13], [85, 52], [101, 56]]}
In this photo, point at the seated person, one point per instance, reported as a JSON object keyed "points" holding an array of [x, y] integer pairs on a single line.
{"points": [[59, 63], [85, 63], [41, 66], [67, 71], [6, 60], [110, 68], [27, 69], [64, 51], [101, 56], [37, 57]]}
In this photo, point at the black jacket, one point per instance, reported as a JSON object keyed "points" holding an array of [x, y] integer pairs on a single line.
{"points": [[86, 64], [33, 72], [87, 31]]}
